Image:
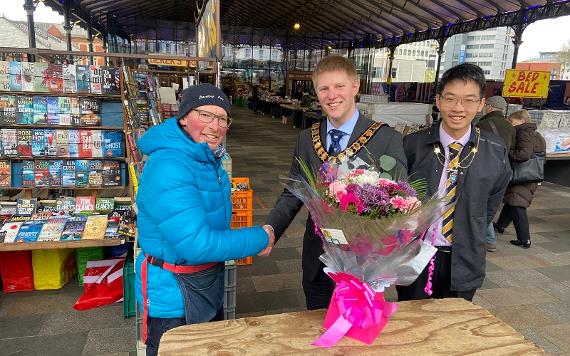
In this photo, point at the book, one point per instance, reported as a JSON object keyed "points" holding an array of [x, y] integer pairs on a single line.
{"points": [[29, 231], [95, 227], [41, 215], [81, 173], [65, 205], [55, 173], [41, 173], [15, 76], [69, 78], [64, 104], [8, 109], [112, 230], [51, 144], [85, 146], [40, 110], [73, 229], [52, 104], [28, 76], [111, 174], [97, 143], [55, 78], [4, 67], [39, 143], [62, 143], [11, 229], [52, 229], [28, 173], [84, 203], [104, 205], [113, 144], [5, 174], [83, 81], [26, 207], [68, 173], [8, 207], [24, 110], [111, 80], [4, 82], [95, 173], [73, 140], [24, 142], [89, 106], [9, 142], [95, 79], [48, 206]]}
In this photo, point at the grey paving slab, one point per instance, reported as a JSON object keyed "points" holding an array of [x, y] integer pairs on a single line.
{"points": [[110, 341], [537, 337], [523, 316], [557, 273], [87, 320], [22, 326], [70, 343], [277, 282]]}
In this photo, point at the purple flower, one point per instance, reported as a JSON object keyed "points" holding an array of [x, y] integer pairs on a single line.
{"points": [[372, 196], [407, 189]]}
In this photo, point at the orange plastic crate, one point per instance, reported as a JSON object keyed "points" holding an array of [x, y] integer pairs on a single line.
{"points": [[245, 261], [242, 218], [242, 199]]}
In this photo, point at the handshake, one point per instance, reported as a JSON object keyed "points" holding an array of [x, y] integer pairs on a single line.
{"points": [[271, 233]]}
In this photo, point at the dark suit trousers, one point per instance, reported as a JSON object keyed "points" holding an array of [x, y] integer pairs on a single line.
{"points": [[519, 217], [441, 282], [318, 292]]}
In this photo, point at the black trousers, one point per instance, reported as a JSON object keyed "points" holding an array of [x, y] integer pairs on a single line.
{"points": [[319, 291], [156, 327], [519, 217], [441, 282]]}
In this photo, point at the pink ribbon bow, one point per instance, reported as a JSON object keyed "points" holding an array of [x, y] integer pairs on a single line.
{"points": [[355, 310]]}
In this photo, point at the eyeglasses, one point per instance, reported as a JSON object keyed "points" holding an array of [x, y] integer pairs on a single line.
{"points": [[207, 117], [468, 103]]}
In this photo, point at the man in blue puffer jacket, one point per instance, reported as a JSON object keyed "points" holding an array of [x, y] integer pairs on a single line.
{"points": [[184, 215]]}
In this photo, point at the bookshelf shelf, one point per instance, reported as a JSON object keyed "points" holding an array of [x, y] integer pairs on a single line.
{"points": [[21, 158], [79, 95], [70, 127], [48, 245]]}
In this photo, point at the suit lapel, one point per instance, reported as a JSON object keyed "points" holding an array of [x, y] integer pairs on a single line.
{"points": [[360, 127]]}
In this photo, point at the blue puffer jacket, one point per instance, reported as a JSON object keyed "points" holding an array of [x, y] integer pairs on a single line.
{"points": [[184, 214]]}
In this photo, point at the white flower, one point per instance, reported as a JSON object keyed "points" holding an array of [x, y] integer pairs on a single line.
{"points": [[368, 177]]}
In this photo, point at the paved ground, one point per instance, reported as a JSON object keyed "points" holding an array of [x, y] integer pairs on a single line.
{"points": [[529, 289]]}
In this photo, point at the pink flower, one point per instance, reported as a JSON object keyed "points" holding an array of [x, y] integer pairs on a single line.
{"points": [[335, 188], [387, 184], [350, 198], [404, 204]]}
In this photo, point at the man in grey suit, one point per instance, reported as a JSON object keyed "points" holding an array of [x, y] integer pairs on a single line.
{"points": [[344, 133]]}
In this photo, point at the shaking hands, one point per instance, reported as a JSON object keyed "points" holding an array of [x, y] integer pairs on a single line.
{"points": [[267, 250]]}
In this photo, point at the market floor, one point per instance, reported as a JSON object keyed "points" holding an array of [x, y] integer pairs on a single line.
{"points": [[528, 289]]}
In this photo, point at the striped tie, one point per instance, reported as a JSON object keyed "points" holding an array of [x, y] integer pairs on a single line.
{"points": [[451, 190]]}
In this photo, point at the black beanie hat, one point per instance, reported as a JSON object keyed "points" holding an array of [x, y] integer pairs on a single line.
{"points": [[202, 94]]}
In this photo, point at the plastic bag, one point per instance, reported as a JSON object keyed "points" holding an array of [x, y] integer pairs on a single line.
{"points": [[102, 284]]}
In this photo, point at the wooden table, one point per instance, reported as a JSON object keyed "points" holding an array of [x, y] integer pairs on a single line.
{"points": [[444, 326]]}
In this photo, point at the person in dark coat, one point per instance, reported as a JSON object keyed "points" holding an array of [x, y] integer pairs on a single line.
{"points": [[338, 136], [471, 168], [519, 196], [494, 121]]}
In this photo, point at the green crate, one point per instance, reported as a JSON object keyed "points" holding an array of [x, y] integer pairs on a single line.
{"points": [[82, 255], [129, 298]]}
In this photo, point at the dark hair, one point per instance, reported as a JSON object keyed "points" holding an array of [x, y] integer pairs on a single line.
{"points": [[465, 72]]}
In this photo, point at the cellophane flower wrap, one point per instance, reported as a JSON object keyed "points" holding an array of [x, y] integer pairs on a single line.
{"points": [[371, 226]]}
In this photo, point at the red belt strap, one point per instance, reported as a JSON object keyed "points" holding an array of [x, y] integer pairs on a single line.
{"points": [[144, 269]]}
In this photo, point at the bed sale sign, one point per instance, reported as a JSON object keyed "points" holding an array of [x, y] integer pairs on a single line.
{"points": [[526, 84]]}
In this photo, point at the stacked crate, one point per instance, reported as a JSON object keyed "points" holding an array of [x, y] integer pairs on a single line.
{"points": [[230, 282], [242, 210]]}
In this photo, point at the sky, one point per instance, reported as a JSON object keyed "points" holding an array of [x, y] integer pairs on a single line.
{"points": [[541, 36]]}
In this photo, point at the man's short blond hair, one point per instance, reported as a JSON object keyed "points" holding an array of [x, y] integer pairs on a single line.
{"points": [[334, 63], [522, 115]]}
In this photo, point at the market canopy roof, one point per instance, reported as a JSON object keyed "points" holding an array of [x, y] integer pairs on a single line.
{"points": [[369, 22]]}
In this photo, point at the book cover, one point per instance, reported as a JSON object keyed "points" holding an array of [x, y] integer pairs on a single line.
{"points": [[4, 67], [85, 144], [95, 173], [65, 205], [39, 143], [15, 76], [111, 80], [55, 78], [52, 119], [25, 104], [81, 173], [41, 215], [104, 205], [97, 143], [40, 110], [64, 119], [96, 79], [50, 142], [8, 109], [29, 231], [112, 228], [48, 206], [84, 203], [24, 142], [95, 227], [5, 174], [113, 144], [82, 72], [8, 207], [4, 82], [111, 174], [9, 142], [41, 71], [41, 173], [69, 78], [55, 173], [64, 104], [52, 104], [28, 76], [91, 119], [73, 229], [52, 229], [73, 139], [26, 207], [62, 143], [89, 105], [68, 173], [11, 229], [28, 173], [24, 118]]}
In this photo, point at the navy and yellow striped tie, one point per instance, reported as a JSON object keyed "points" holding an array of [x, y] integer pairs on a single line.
{"points": [[451, 190]]}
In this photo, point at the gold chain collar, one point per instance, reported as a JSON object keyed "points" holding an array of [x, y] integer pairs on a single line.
{"points": [[471, 154], [349, 151]]}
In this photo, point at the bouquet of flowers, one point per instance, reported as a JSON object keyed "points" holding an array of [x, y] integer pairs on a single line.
{"points": [[372, 226]]}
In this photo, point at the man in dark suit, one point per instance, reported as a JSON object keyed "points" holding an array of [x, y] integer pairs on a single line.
{"points": [[344, 133], [471, 168]]}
